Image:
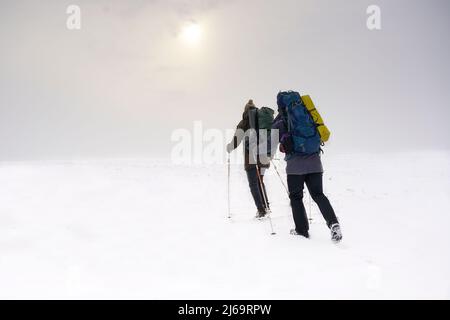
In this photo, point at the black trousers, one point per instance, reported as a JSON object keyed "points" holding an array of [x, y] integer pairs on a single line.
{"points": [[257, 192], [314, 183]]}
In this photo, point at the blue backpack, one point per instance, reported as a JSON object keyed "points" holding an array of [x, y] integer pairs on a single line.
{"points": [[302, 130]]}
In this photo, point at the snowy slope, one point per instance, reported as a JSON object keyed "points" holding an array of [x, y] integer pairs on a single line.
{"points": [[148, 229]]}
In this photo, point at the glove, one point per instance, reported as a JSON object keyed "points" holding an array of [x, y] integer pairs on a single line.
{"points": [[230, 147], [286, 144]]}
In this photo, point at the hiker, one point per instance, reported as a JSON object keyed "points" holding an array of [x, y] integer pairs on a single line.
{"points": [[253, 165], [300, 139]]}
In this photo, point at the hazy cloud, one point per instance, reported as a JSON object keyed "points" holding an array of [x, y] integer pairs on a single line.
{"points": [[123, 82]]}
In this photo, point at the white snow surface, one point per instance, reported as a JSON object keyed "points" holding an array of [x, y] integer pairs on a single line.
{"points": [[147, 229]]}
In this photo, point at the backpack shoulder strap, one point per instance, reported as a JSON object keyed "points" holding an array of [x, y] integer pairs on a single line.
{"points": [[252, 118], [288, 120]]}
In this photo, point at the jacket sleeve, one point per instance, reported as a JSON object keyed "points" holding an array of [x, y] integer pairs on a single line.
{"points": [[279, 129], [279, 125], [238, 135]]}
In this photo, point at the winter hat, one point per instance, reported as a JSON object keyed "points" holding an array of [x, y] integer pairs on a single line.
{"points": [[249, 105]]}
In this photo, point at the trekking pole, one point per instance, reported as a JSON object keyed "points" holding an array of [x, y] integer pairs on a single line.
{"points": [[281, 179], [228, 187], [264, 195]]}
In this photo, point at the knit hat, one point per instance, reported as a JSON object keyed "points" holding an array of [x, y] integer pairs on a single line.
{"points": [[250, 104]]}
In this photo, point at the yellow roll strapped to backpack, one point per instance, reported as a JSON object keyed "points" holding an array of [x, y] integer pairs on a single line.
{"points": [[321, 127]]}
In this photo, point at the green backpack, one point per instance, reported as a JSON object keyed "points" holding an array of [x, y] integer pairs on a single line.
{"points": [[264, 122], [265, 118]]}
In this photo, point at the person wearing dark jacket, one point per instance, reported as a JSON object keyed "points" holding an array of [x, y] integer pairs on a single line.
{"points": [[301, 170], [252, 164]]}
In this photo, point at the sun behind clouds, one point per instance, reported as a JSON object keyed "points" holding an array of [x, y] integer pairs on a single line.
{"points": [[191, 34]]}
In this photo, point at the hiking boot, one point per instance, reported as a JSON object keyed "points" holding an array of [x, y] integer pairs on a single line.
{"points": [[261, 213], [303, 234], [336, 234]]}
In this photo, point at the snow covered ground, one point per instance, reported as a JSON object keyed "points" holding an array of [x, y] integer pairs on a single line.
{"points": [[147, 229]]}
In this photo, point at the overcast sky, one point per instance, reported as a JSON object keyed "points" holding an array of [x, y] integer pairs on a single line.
{"points": [[121, 84]]}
